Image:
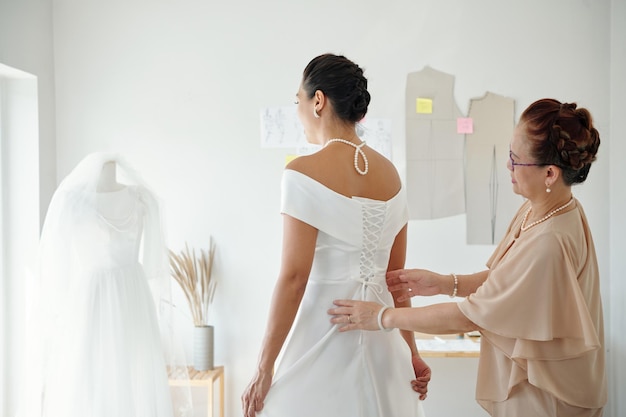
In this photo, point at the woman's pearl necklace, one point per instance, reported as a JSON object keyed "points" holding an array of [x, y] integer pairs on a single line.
{"points": [[544, 218], [357, 151]]}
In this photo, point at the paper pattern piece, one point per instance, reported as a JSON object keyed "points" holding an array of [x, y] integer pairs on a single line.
{"points": [[434, 149], [424, 106], [490, 201], [465, 125]]}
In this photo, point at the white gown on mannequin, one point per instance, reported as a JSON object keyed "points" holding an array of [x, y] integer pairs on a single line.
{"points": [[324, 373], [107, 358], [101, 332]]}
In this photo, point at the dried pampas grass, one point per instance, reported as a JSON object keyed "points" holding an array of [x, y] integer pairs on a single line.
{"points": [[193, 274]]}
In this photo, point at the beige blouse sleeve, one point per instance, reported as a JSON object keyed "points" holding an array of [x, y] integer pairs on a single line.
{"points": [[533, 295]]}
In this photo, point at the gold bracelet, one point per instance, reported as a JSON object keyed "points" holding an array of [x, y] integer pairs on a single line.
{"points": [[456, 285]]}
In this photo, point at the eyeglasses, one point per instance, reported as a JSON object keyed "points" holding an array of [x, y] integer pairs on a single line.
{"points": [[519, 164]]}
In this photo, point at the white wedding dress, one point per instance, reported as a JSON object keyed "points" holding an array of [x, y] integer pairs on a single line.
{"points": [[324, 373], [101, 336], [106, 359]]}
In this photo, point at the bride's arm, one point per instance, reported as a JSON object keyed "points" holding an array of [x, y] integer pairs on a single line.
{"points": [[422, 371], [297, 257]]}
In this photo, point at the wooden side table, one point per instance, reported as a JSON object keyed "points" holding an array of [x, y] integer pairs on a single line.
{"points": [[447, 346], [203, 379]]}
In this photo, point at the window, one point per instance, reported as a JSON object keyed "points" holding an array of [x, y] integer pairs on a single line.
{"points": [[19, 220]]}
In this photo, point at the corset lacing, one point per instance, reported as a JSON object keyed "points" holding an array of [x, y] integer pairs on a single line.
{"points": [[373, 215]]}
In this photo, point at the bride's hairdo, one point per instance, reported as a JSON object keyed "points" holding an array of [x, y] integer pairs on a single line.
{"points": [[342, 81]]}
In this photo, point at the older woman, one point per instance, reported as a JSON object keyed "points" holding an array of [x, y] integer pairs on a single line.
{"points": [[537, 306]]}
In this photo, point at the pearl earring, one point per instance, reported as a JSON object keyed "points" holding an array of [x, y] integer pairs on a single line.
{"points": [[548, 190], [317, 116]]}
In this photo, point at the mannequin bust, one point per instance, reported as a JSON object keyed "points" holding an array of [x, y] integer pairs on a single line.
{"points": [[108, 179], [114, 201]]}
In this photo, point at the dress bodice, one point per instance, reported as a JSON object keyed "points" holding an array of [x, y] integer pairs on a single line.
{"points": [[112, 237], [355, 234]]}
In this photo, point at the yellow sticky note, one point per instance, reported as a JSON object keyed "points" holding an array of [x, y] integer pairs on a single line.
{"points": [[290, 158], [424, 105]]}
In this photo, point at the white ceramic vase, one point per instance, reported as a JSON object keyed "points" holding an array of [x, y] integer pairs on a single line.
{"points": [[203, 348]]}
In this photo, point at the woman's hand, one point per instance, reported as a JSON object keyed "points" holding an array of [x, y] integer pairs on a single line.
{"points": [[363, 315], [414, 282], [355, 315], [422, 376], [253, 398]]}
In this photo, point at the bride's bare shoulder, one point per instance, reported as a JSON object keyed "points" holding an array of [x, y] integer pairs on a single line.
{"points": [[313, 165]]}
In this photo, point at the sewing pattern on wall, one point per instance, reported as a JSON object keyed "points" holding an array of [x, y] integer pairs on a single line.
{"points": [[490, 200], [457, 164], [434, 148]]}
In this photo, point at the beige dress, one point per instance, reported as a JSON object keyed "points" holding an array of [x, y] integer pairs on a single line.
{"points": [[540, 314]]}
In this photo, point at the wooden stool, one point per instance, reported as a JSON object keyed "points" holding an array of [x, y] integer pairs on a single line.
{"points": [[202, 379]]}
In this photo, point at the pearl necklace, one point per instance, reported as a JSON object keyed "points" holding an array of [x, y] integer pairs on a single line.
{"points": [[544, 218], [357, 151]]}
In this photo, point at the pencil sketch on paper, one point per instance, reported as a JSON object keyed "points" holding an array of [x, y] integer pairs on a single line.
{"points": [[377, 134], [280, 128]]}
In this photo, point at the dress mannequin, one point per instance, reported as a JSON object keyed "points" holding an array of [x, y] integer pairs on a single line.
{"points": [[114, 201], [106, 337], [108, 178]]}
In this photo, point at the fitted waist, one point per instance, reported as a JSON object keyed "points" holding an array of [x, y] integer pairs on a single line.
{"points": [[364, 285]]}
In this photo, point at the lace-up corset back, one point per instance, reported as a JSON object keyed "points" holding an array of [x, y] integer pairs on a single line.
{"points": [[371, 273], [355, 235]]}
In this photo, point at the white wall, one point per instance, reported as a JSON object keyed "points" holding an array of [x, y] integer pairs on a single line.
{"points": [[617, 308], [177, 88]]}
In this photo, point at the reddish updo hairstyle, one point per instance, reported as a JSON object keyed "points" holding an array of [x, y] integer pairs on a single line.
{"points": [[562, 135]]}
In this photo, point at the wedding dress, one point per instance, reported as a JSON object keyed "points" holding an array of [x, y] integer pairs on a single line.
{"points": [[106, 336], [323, 372]]}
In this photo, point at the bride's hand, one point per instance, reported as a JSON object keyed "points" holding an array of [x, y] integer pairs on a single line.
{"points": [[422, 376], [252, 400]]}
